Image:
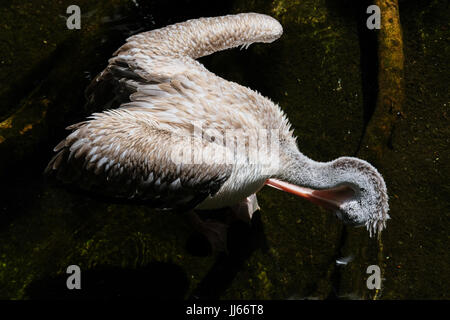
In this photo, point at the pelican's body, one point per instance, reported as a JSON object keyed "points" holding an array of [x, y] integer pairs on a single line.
{"points": [[164, 104]]}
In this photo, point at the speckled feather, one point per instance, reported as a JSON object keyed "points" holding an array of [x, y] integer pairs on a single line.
{"points": [[161, 91]]}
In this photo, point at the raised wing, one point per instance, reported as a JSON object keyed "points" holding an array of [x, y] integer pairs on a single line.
{"points": [[161, 92]]}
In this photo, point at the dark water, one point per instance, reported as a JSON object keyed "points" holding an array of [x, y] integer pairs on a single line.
{"points": [[322, 72]]}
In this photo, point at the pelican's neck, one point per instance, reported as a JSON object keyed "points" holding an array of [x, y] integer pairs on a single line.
{"points": [[303, 171]]}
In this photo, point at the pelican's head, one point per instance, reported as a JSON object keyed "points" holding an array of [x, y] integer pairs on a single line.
{"points": [[365, 200], [350, 187]]}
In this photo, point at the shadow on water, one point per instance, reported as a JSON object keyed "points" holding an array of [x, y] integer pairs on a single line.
{"points": [[157, 280], [368, 46], [160, 280], [243, 240]]}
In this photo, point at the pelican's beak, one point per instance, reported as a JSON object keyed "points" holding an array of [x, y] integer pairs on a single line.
{"points": [[328, 198]]}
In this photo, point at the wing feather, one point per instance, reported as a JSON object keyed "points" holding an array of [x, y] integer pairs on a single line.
{"points": [[105, 162]]}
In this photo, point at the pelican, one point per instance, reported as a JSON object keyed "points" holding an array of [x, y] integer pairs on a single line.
{"points": [[165, 135]]}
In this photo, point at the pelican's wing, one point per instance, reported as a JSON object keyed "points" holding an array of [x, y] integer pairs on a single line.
{"points": [[167, 55], [125, 74], [115, 155], [160, 91]]}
